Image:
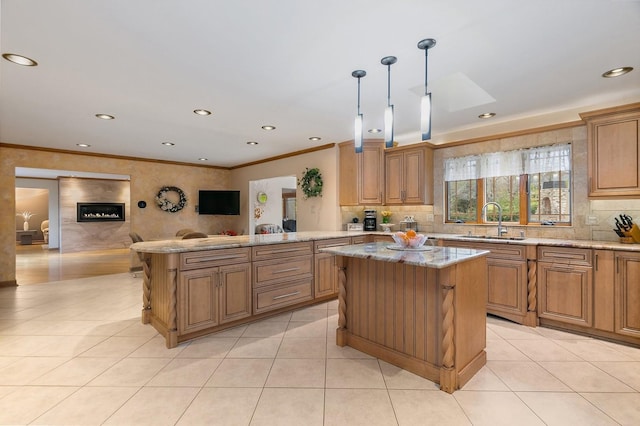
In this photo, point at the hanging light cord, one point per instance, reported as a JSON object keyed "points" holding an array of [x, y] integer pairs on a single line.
{"points": [[426, 70], [358, 95], [389, 85]]}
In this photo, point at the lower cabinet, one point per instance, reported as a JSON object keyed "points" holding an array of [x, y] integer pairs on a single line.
{"points": [[327, 266], [565, 285], [627, 293], [213, 296], [283, 276], [507, 288]]}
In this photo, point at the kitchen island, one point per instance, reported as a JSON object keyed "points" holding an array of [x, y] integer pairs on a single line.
{"points": [[423, 311]]}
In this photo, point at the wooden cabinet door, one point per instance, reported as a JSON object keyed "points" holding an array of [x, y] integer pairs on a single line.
{"points": [[627, 293], [198, 300], [414, 185], [235, 292], [394, 177], [603, 290], [348, 179], [507, 287], [362, 174], [325, 274], [614, 151], [565, 293], [371, 173]]}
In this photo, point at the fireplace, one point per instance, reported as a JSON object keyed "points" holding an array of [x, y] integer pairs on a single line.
{"points": [[100, 212]]}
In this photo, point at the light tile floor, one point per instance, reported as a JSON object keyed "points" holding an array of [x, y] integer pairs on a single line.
{"points": [[75, 353]]}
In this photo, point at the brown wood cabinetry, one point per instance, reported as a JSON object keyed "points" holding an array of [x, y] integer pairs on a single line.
{"points": [[282, 275], [212, 295], [565, 285], [507, 284], [327, 266], [613, 137], [627, 293], [362, 174], [603, 290], [409, 175]]}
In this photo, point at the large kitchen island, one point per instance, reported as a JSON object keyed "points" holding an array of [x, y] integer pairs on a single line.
{"points": [[424, 311]]}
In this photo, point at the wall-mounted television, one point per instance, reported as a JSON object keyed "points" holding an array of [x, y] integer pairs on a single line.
{"points": [[219, 202]]}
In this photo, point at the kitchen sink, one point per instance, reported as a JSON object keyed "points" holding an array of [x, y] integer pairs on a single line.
{"points": [[492, 237]]}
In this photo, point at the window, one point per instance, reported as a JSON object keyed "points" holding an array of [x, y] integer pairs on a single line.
{"points": [[462, 196], [536, 181]]}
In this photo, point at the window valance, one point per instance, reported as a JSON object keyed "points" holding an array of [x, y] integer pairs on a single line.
{"points": [[509, 163]]}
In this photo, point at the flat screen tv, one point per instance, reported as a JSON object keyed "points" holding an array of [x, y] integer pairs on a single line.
{"points": [[219, 202]]}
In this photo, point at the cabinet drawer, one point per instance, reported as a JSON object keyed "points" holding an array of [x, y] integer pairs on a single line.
{"points": [[360, 239], [276, 270], [498, 250], [274, 297], [566, 255], [273, 251], [334, 242], [211, 258]]}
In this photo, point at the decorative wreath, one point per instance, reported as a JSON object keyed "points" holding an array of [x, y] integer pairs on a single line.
{"points": [[166, 204], [311, 183]]}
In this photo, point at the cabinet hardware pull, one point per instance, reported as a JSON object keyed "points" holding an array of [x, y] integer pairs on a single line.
{"points": [[286, 295], [285, 270], [596, 262]]}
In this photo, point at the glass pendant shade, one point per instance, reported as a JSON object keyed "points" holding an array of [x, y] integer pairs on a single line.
{"points": [[357, 125], [425, 105], [357, 138], [425, 117], [387, 61], [388, 126]]}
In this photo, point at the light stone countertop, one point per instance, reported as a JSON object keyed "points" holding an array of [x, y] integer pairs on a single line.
{"points": [[431, 257], [221, 241]]}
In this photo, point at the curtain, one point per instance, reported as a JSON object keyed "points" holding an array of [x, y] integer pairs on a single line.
{"points": [[461, 168], [549, 158]]}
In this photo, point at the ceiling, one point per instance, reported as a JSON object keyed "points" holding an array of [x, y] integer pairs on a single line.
{"points": [[288, 63]]}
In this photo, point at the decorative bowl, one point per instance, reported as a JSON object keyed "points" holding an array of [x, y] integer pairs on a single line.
{"points": [[409, 239]]}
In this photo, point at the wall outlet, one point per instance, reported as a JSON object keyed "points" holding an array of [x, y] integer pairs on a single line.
{"points": [[591, 220]]}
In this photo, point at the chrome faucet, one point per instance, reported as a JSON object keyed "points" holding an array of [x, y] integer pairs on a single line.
{"points": [[500, 229]]}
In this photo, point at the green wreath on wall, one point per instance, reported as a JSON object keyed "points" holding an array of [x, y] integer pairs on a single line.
{"points": [[166, 204], [311, 183]]}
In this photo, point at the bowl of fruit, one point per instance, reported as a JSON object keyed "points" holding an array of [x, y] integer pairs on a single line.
{"points": [[409, 240]]}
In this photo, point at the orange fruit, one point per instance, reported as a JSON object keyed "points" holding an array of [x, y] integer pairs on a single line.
{"points": [[411, 233]]}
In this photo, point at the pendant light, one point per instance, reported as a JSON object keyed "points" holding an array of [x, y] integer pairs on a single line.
{"points": [[425, 105], [388, 112], [357, 138]]}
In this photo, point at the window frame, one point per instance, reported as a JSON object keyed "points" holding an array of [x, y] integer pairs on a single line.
{"points": [[523, 198]]}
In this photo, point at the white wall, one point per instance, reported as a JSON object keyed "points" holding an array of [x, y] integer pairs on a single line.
{"points": [[271, 210]]}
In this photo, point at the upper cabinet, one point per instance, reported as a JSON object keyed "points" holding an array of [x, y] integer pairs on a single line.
{"points": [[409, 175], [613, 137], [362, 174]]}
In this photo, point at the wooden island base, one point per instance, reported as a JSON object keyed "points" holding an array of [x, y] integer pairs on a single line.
{"points": [[429, 321]]}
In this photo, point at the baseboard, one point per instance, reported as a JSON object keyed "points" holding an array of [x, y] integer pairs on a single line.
{"points": [[11, 283]]}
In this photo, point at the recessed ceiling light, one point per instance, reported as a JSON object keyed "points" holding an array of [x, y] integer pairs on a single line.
{"points": [[105, 116], [252, 143], [83, 145], [374, 130], [203, 159], [315, 138], [269, 127], [168, 143], [202, 112], [617, 72], [19, 59], [487, 115]]}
